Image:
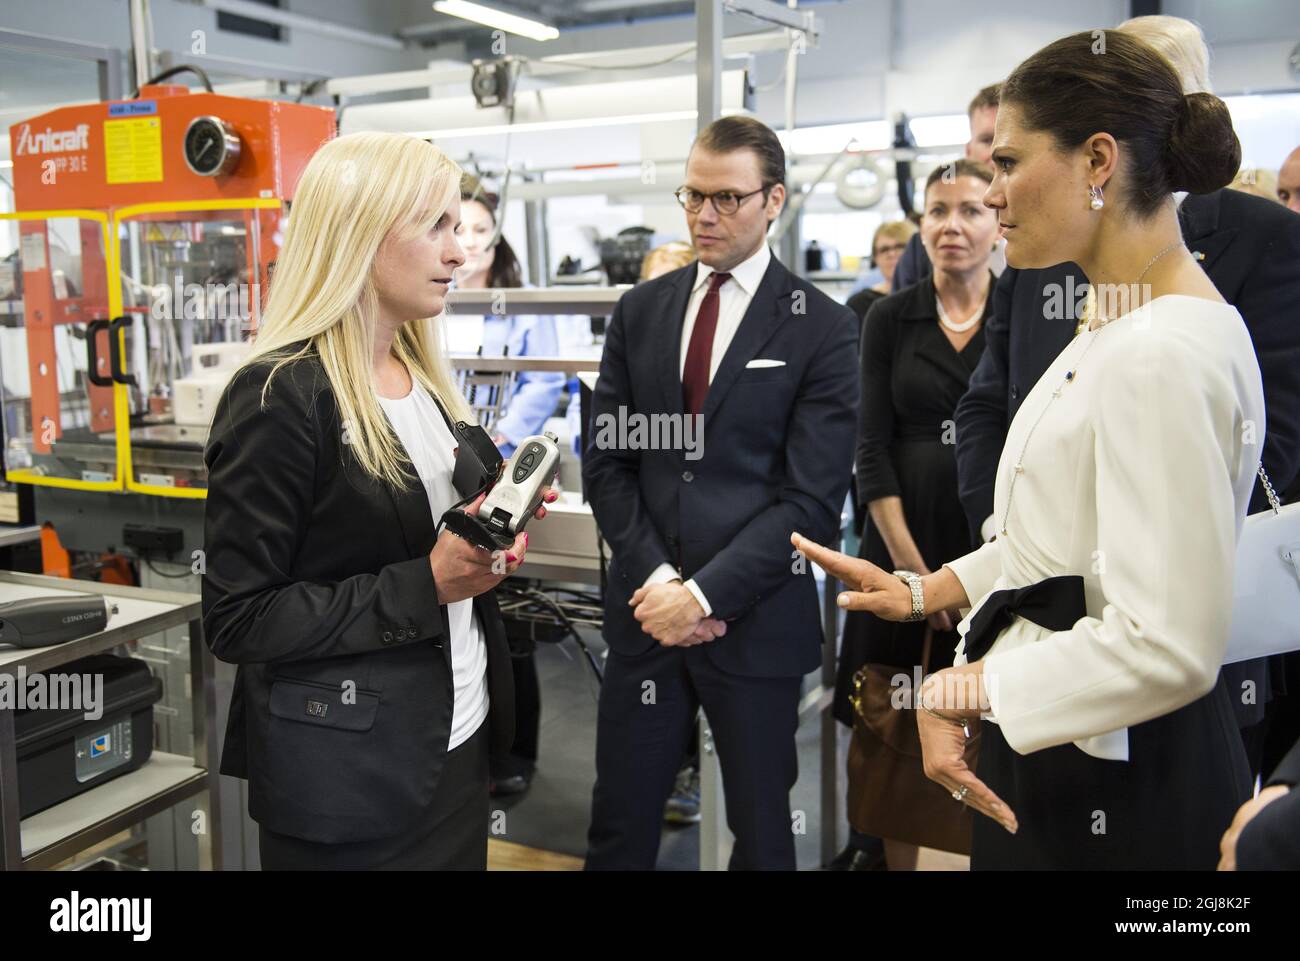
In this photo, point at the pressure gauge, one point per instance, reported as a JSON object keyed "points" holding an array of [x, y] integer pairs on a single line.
{"points": [[211, 146]]}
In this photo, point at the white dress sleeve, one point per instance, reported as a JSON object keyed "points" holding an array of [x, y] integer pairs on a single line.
{"points": [[1167, 427], [978, 571]]}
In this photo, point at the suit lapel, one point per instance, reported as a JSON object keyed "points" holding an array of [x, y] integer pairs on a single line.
{"points": [[767, 308], [414, 516], [668, 352]]}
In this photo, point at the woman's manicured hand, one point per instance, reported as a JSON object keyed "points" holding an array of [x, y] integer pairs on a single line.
{"points": [[943, 753], [462, 570], [871, 588], [549, 496]]}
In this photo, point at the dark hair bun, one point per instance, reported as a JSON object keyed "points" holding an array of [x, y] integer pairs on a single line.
{"points": [[1203, 153]]}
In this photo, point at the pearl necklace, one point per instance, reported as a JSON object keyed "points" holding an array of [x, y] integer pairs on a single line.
{"points": [[965, 325]]}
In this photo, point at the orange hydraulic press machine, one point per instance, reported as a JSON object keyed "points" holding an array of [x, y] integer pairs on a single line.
{"points": [[131, 274]]}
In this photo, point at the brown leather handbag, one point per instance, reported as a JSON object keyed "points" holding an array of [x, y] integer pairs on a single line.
{"points": [[889, 795]]}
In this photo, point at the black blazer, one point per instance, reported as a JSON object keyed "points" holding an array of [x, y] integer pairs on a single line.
{"points": [[1249, 247], [318, 586], [777, 447]]}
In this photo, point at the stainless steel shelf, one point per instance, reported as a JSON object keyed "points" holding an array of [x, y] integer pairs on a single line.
{"points": [[59, 832], [139, 612], [565, 365], [592, 301]]}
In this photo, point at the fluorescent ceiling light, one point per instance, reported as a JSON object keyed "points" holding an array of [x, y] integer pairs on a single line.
{"points": [[509, 22]]}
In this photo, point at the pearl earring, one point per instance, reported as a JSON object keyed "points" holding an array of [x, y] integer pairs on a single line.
{"points": [[1095, 200]]}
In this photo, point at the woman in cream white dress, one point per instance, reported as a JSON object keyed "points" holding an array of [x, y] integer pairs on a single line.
{"points": [[1096, 621]]}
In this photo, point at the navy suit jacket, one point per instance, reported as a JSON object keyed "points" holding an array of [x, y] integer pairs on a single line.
{"points": [[776, 455], [1250, 248]]}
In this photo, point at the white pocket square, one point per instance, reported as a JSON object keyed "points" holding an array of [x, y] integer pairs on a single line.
{"points": [[765, 363]]}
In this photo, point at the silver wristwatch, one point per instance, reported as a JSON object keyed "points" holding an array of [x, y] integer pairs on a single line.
{"points": [[913, 581]]}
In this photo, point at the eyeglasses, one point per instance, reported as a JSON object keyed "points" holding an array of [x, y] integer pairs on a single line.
{"points": [[725, 202], [891, 249]]}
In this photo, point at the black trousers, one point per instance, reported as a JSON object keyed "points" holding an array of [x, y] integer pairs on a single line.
{"points": [[1163, 809], [451, 836], [648, 704]]}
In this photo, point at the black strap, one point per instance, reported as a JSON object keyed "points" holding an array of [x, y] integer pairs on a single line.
{"points": [[443, 411], [1055, 603]]}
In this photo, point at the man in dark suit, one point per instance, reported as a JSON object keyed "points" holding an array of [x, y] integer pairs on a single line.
{"points": [[705, 605], [1250, 248]]}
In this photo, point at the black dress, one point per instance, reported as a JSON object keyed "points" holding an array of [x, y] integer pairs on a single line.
{"points": [[912, 379], [862, 302]]}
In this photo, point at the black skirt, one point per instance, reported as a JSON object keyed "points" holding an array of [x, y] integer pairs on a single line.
{"points": [[451, 836], [1165, 808]]}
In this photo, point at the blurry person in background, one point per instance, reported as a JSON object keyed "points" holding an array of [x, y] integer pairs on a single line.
{"points": [[1288, 181], [666, 258], [983, 114], [1256, 181], [919, 347], [490, 263], [886, 248]]}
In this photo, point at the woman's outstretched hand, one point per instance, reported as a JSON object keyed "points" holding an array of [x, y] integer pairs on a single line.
{"points": [[871, 588]]}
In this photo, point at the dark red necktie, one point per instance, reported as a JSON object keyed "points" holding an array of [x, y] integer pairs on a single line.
{"points": [[699, 354]]}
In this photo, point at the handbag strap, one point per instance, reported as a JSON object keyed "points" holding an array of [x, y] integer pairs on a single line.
{"points": [[1269, 492]]}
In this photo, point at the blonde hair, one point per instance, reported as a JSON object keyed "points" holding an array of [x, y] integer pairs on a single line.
{"points": [[1181, 42], [899, 231], [1257, 181], [666, 257], [355, 192]]}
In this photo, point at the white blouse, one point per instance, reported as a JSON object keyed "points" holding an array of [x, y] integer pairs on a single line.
{"points": [[429, 444], [1136, 477]]}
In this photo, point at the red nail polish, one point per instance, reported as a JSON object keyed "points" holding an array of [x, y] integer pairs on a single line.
{"points": [[511, 558]]}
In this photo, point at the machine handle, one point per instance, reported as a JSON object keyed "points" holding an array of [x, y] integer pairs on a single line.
{"points": [[92, 355], [115, 352]]}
